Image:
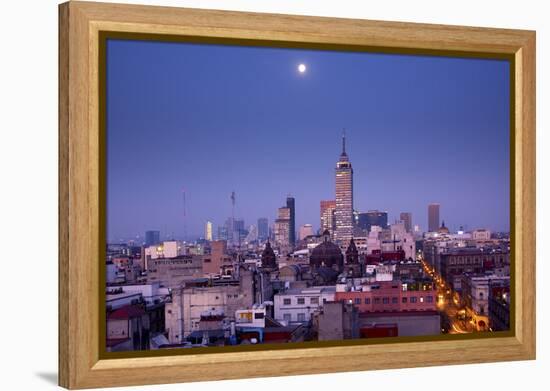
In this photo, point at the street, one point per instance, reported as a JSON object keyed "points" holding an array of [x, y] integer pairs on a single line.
{"points": [[453, 316]]}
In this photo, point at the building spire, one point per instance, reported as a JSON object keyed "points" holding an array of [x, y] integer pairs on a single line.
{"points": [[344, 141], [344, 155]]}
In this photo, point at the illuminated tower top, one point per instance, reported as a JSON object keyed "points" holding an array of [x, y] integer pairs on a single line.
{"points": [[343, 156]]}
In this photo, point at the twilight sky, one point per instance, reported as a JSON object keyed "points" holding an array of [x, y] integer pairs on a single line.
{"points": [[214, 119]]}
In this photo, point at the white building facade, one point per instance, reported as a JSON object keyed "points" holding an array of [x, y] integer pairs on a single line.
{"points": [[297, 305]]}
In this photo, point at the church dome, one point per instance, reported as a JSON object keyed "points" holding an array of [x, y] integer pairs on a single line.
{"points": [[326, 254], [443, 229]]}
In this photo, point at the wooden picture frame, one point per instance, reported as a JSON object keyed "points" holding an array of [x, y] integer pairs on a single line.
{"points": [[80, 200]]}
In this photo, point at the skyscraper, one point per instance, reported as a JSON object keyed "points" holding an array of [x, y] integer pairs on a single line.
{"points": [[263, 228], [239, 232], [344, 197], [208, 231], [235, 231], [327, 216], [282, 227], [433, 217], [229, 229], [222, 233], [305, 230], [290, 204], [152, 238], [406, 217]]}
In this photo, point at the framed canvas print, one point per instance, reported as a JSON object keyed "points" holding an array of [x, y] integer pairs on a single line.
{"points": [[272, 194]]}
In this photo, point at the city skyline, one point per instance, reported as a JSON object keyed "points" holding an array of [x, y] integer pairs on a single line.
{"points": [[179, 145]]}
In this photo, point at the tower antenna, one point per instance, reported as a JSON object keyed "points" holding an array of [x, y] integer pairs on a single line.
{"points": [[233, 198], [343, 141]]}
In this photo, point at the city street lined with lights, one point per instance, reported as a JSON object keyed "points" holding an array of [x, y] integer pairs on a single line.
{"points": [[453, 315]]}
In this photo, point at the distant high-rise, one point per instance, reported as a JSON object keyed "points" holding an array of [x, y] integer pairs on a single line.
{"points": [[208, 231], [235, 230], [327, 216], [263, 228], [406, 217], [305, 230], [222, 233], [238, 225], [366, 220], [290, 204], [282, 227], [433, 217], [239, 232], [229, 223], [344, 197], [152, 238]]}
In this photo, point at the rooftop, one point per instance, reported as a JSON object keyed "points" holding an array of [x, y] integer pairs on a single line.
{"points": [[127, 312], [310, 290]]}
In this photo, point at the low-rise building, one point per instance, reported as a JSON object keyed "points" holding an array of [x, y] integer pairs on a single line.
{"points": [[481, 234], [336, 321], [389, 296], [127, 329], [218, 259], [298, 305], [475, 296], [166, 249], [149, 297], [188, 305], [172, 272], [399, 324], [499, 306], [116, 298], [456, 262]]}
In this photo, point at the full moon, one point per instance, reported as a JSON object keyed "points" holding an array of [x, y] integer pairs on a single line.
{"points": [[301, 68]]}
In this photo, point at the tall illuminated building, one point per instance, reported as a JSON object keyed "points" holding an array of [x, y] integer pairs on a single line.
{"points": [[282, 227], [433, 217], [406, 217], [208, 231], [305, 231], [343, 212], [327, 216], [263, 228], [152, 238], [290, 204]]}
